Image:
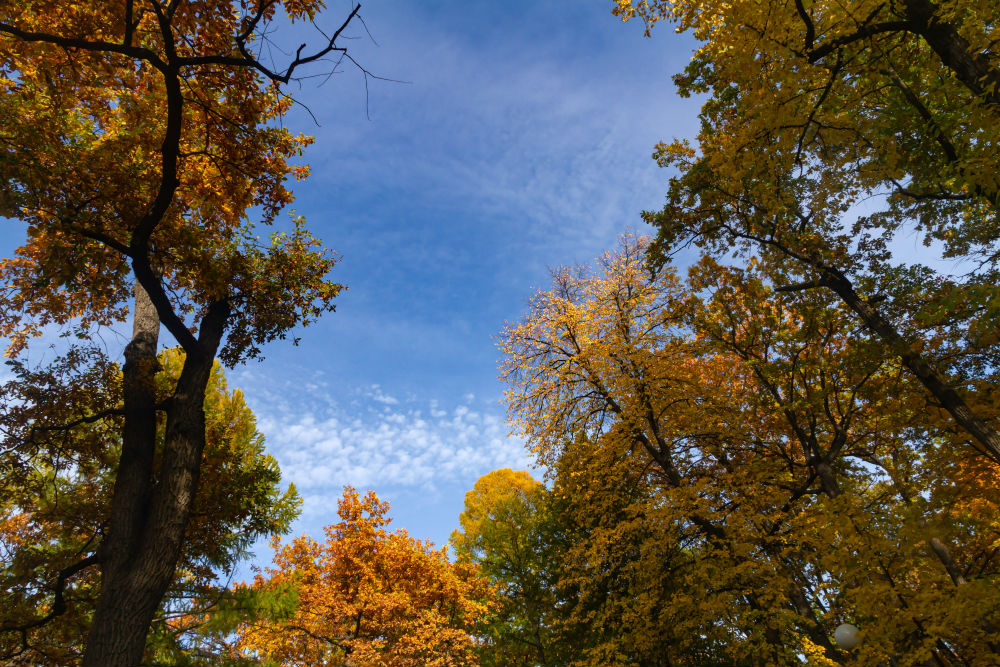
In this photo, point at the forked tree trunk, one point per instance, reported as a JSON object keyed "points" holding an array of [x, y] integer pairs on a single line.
{"points": [[149, 508]]}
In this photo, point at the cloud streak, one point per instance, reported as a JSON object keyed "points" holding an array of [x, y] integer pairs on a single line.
{"points": [[537, 137]]}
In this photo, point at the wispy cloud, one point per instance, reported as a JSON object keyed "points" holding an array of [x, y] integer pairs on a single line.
{"points": [[376, 394], [537, 136]]}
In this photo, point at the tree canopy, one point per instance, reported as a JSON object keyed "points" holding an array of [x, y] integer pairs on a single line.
{"points": [[369, 597], [143, 148], [801, 432], [780, 476], [57, 491], [507, 533], [832, 132]]}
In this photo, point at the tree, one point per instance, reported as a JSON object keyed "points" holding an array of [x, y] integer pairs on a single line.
{"points": [[508, 533], [604, 358], [621, 565], [787, 476], [368, 597], [58, 485], [139, 139], [883, 467], [832, 135], [577, 582]]}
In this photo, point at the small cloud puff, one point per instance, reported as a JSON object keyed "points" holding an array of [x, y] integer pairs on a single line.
{"points": [[376, 394]]}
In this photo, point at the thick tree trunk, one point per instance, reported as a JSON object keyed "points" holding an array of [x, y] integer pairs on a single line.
{"points": [[113, 639], [149, 509]]}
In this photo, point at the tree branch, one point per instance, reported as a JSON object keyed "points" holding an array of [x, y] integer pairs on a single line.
{"points": [[249, 60], [59, 601], [820, 52], [85, 45], [89, 419]]}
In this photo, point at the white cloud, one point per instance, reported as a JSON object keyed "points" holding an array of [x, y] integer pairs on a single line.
{"points": [[414, 444], [376, 394]]}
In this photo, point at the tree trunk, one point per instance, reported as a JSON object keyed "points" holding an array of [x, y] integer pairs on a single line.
{"points": [[112, 638], [149, 509]]}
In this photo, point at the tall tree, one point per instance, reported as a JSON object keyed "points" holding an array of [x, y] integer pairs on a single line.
{"points": [[138, 139], [833, 135], [57, 492], [368, 597], [790, 476]]}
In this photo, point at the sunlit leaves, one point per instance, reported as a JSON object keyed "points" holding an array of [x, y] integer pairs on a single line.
{"points": [[368, 597], [840, 139], [746, 470], [88, 150], [508, 531]]}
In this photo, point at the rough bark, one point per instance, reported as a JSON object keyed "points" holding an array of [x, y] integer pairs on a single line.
{"points": [[150, 508], [107, 640]]}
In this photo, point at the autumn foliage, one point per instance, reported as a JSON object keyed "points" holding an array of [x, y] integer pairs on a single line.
{"points": [[803, 431], [368, 597], [743, 471], [139, 135], [833, 137], [57, 496], [144, 154], [506, 531]]}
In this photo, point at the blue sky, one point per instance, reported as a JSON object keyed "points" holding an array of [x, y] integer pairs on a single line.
{"points": [[521, 140]]}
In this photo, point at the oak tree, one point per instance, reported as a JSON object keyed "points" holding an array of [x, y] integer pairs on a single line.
{"points": [[142, 147], [57, 492]]}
